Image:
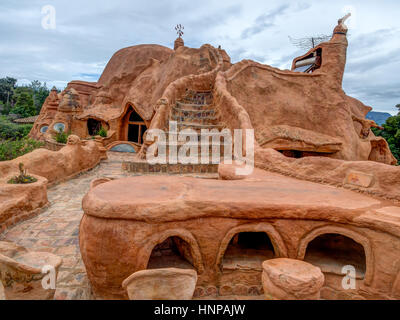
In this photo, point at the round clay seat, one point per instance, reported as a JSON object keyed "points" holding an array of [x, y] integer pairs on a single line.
{"points": [[289, 279], [161, 284]]}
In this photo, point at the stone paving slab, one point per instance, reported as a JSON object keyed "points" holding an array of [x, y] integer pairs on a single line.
{"points": [[56, 230]]}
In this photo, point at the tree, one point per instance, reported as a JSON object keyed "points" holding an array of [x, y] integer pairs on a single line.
{"points": [[398, 107], [40, 93], [7, 86], [24, 105], [391, 133]]}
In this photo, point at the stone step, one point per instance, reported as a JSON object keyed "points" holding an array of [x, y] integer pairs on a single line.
{"points": [[193, 112], [197, 134], [191, 106], [198, 98], [189, 144], [204, 121], [195, 126], [147, 168]]}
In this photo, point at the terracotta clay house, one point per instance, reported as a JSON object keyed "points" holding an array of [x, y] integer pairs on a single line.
{"points": [[305, 127]]}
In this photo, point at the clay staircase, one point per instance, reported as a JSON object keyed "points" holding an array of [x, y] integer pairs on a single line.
{"points": [[194, 111]]}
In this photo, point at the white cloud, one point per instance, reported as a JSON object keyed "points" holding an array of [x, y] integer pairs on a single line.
{"points": [[89, 32]]}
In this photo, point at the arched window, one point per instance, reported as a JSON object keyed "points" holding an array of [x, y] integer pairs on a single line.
{"points": [[43, 129]]}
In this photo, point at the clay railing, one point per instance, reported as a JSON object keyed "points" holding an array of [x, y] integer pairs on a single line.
{"points": [[369, 177], [53, 145], [232, 114], [22, 201], [176, 90]]}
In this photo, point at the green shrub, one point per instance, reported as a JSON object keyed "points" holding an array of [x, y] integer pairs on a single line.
{"points": [[391, 133], [11, 149], [102, 132], [10, 130], [61, 137]]}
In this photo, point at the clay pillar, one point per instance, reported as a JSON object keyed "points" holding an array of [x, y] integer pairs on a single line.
{"points": [[178, 43]]}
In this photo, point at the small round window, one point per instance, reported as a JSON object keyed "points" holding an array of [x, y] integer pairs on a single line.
{"points": [[43, 129], [60, 127]]}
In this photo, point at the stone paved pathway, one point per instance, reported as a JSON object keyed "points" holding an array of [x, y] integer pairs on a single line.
{"points": [[56, 229]]}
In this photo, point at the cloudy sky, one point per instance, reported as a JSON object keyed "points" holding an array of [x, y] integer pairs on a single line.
{"points": [[88, 32]]}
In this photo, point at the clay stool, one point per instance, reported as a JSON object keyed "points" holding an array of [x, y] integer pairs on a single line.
{"points": [[161, 284], [289, 279], [21, 272]]}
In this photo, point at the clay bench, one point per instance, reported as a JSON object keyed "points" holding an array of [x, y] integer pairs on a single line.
{"points": [[21, 272], [289, 279]]}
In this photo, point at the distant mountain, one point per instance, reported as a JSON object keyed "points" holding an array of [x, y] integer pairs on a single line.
{"points": [[378, 117]]}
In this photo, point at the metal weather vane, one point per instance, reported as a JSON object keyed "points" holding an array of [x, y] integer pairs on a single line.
{"points": [[179, 30]]}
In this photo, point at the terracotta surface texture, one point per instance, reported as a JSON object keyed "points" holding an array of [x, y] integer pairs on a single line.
{"points": [[22, 273], [323, 195], [161, 284], [297, 113], [289, 279], [206, 214]]}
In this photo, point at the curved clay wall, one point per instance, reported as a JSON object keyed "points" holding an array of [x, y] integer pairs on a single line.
{"points": [[381, 251], [21, 201], [126, 224]]}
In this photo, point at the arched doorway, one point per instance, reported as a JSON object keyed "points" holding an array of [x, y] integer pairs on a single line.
{"points": [[133, 126], [173, 252]]}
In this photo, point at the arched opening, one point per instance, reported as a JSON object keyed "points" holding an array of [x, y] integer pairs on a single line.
{"points": [[133, 127], [331, 252], [247, 250], [174, 252], [93, 126]]}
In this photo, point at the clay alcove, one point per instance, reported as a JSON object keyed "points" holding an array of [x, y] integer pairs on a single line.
{"points": [[171, 249], [242, 251], [173, 252], [332, 251], [247, 250], [336, 249]]}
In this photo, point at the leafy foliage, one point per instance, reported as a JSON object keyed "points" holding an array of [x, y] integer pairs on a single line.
{"points": [[7, 86], [102, 132], [391, 133], [24, 105], [10, 130], [22, 100], [22, 178], [10, 149], [61, 137]]}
